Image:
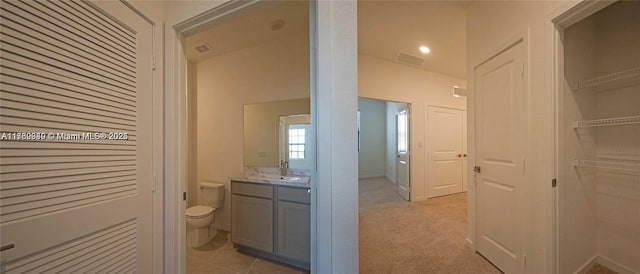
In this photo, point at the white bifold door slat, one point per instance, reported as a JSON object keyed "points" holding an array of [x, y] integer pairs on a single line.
{"points": [[50, 111], [102, 240], [40, 17], [48, 82], [75, 137], [29, 65], [60, 42], [39, 98]]}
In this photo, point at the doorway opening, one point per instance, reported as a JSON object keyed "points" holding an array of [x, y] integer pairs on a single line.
{"points": [[248, 110], [423, 64], [383, 145]]}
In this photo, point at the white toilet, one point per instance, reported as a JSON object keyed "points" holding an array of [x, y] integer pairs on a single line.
{"points": [[200, 225]]}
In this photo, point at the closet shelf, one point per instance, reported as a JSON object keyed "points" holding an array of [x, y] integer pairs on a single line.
{"points": [[607, 122], [608, 165], [613, 77]]}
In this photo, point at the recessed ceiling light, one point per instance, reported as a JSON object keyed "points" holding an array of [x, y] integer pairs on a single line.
{"points": [[424, 49]]}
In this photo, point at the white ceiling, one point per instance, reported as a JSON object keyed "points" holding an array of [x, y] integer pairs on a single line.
{"points": [[249, 27], [384, 29]]}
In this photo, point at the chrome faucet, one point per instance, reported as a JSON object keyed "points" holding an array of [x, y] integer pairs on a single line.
{"points": [[284, 165]]}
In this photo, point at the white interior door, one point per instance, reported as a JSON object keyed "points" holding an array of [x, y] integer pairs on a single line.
{"points": [[445, 151], [501, 132], [403, 155], [76, 79]]}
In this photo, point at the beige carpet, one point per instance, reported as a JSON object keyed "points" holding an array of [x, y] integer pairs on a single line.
{"points": [[425, 237]]}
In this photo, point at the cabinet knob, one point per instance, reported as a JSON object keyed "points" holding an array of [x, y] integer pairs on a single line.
{"points": [[309, 191]]}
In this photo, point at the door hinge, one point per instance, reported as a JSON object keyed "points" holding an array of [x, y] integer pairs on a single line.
{"points": [[522, 75], [554, 182], [184, 196], [524, 261], [153, 185]]}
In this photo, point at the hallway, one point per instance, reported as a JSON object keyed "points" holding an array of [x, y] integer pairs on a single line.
{"points": [[424, 237]]}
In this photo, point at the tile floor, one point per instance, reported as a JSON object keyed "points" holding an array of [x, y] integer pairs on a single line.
{"points": [[219, 256]]}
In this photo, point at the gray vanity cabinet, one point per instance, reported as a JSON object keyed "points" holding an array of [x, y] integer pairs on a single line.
{"points": [[293, 223], [274, 220], [252, 216], [293, 231]]}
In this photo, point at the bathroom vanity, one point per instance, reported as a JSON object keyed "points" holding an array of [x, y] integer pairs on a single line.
{"points": [[271, 217]]}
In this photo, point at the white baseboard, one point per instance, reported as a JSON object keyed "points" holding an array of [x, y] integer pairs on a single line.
{"points": [[606, 262], [418, 199], [370, 176], [391, 179], [588, 265], [610, 264], [470, 244]]}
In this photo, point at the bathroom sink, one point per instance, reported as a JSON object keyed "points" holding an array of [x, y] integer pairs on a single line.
{"points": [[278, 178]]}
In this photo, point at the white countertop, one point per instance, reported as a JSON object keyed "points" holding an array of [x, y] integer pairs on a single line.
{"points": [[306, 182]]}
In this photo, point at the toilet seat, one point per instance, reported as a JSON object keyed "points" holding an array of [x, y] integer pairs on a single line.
{"points": [[197, 212]]}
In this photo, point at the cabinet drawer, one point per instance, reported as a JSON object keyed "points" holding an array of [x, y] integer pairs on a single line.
{"points": [[294, 194], [250, 189]]}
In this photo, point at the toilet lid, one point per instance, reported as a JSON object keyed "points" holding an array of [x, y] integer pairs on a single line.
{"points": [[198, 211]]}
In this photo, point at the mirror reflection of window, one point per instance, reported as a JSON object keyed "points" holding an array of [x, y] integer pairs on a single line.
{"points": [[296, 142]]}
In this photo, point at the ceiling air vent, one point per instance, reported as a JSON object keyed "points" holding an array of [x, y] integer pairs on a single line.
{"points": [[202, 48], [409, 59]]}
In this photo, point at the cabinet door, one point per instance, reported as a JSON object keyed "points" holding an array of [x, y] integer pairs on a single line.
{"points": [[252, 222], [294, 235]]}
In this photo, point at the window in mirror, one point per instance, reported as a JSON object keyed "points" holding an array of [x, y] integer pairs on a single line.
{"points": [[296, 142]]}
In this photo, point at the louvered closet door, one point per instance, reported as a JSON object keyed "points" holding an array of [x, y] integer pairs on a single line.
{"points": [[79, 199]]}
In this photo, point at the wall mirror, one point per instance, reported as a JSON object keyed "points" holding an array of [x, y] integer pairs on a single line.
{"points": [[277, 131]]}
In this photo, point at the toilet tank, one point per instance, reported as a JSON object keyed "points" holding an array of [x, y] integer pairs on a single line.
{"points": [[211, 194]]}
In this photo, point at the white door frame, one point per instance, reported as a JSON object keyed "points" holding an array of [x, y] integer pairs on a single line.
{"points": [[176, 129], [409, 138], [556, 23]]}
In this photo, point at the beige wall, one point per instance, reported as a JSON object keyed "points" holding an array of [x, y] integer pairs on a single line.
{"points": [[491, 27], [272, 71], [391, 81]]}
